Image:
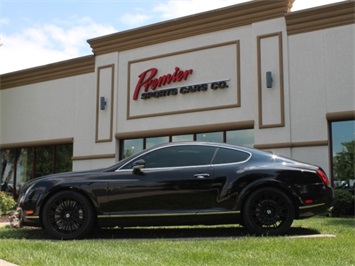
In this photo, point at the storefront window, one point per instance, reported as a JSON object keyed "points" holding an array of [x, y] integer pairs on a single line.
{"points": [[150, 142], [244, 137], [132, 146], [22, 164], [188, 137], [241, 137], [63, 154], [44, 161], [8, 159], [210, 137], [24, 168], [343, 149]]}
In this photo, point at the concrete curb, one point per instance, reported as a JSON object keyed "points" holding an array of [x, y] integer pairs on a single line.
{"points": [[5, 263], [312, 236], [4, 225]]}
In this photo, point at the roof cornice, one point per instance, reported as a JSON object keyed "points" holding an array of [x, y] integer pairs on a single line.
{"points": [[333, 15], [63, 69], [224, 18]]}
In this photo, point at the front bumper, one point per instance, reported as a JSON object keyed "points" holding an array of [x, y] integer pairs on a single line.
{"points": [[27, 220]]}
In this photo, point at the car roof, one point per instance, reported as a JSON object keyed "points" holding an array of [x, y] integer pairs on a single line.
{"points": [[202, 143]]}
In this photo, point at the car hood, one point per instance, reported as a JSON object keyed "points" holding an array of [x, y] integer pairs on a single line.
{"points": [[69, 174], [59, 176]]}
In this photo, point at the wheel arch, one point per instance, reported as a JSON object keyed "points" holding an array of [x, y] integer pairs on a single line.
{"points": [[269, 183], [94, 205]]}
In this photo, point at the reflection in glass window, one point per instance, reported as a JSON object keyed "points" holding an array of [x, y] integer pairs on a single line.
{"points": [[44, 161], [188, 137], [24, 170], [22, 164], [8, 159], [63, 162], [150, 142], [343, 149], [210, 137], [132, 146], [241, 137]]}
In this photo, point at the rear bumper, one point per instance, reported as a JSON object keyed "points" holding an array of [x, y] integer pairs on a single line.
{"points": [[312, 210], [323, 206]]}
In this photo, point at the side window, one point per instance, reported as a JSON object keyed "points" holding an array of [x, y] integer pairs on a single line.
{"points": [[176, 156], [230, 156]]}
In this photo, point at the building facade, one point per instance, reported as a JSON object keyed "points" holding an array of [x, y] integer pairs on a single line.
{"points": [[252, 74]]}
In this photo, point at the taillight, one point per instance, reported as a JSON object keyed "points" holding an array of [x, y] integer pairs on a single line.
{"points": [[324, 177]]}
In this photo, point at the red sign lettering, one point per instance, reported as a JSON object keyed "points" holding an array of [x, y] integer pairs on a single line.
{"points": [[147, 79]]}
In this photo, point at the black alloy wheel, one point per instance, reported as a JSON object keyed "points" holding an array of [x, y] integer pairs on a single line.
{"points": [[68, 215], [268, 211]]}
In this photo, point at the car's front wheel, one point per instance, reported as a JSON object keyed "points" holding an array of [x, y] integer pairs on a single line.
{"points": [[268, 211], [68, 215]]}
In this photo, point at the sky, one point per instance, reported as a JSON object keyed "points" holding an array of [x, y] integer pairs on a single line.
{"points": [[39, 32]]}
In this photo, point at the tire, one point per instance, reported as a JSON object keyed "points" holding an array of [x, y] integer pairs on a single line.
{"points": [[68, 215], [268, 211]]}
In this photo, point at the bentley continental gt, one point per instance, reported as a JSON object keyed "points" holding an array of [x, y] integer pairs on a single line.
{"points": [[190, 183]]}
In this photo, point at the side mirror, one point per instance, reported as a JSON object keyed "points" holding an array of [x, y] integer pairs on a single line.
{"points": [[137, 166]]}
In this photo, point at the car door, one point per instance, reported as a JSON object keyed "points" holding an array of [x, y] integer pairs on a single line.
{"points": [[173, 179]]}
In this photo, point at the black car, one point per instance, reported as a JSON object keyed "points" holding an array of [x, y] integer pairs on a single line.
{"points": [[190, 183]]}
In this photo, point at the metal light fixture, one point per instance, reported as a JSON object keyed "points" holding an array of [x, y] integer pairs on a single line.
{"points": [[102, 103], [269, 79]]}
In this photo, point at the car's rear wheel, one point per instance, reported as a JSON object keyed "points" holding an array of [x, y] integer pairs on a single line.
{"points": [[268, 211], [68, 215]]}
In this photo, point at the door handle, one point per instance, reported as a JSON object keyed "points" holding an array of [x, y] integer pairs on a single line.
{"points": [[202, 176]]}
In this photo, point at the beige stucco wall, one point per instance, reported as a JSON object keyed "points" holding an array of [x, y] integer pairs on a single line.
{"points": [[321, 65]]}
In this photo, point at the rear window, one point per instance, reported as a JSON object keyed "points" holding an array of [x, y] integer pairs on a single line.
{"points": [[225, 155]]}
